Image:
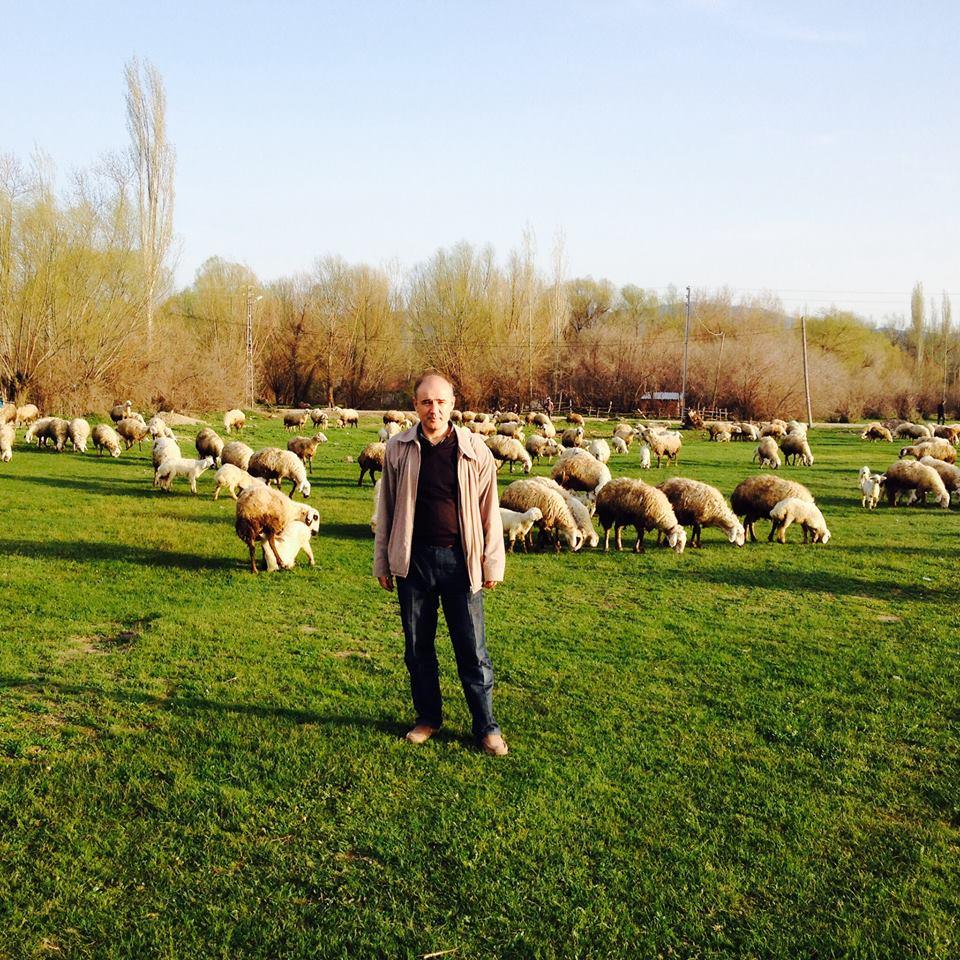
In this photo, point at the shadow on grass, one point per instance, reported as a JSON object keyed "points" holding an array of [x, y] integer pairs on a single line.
{"points": [[115, 487], [90, 550], [346, 531]]}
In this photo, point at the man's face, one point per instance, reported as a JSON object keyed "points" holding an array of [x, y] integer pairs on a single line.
{"points": [[434, 404]]}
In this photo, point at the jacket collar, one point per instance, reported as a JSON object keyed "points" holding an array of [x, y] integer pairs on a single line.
{"points": [[462, 433]]}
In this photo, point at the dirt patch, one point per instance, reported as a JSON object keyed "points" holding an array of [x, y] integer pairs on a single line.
{"points": [[888, 618], [117, 640], [346, 654]]}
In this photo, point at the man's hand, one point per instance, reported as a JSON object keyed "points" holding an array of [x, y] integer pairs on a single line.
{"points": [[489, 584], [386, 582]]}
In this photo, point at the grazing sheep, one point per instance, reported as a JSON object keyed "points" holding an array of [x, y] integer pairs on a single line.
{"points": [[512, 428], [483, 427], [627, 502], [624, 432], [519, 524], [949, 473], [275, 465], [773, 428], [306, 447], [57, 430], [767, 453], [539, 447], [158, 427], [164, 448], [371, 461], [915, 479], [796, 428], [581, 510], [699, 505], [209, 444], [575, 418], [296, 536], [376, 505], [796, 446], [619, 445], [79, 432], [808, 515], [662, 444], [547, 430], [556, 521], [600, 449], [749, 432], [105, 438], [539, 419], [717, 432], [509, 450], [122, 411], [871, 486], [388, 430], [234, 419], [237, 453], [26, 414], [939, 448], [36, 431], [133, 431], [581, 473], [395, 416], [8, 413], [914, 431], [755, 497], [295, 419], [876, 431], [347, 417], [231, 479], [456, 416], [506, 416], [645, 456], [175, 467], [319, 417], [8, 433], [263, 513], [573, 437], [468, 416], [950, 431]]}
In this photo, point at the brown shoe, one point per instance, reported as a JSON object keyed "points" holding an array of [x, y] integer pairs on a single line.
{"points": [[495, 745], [421, 733]]}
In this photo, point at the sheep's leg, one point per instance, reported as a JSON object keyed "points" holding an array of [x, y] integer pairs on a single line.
{"points": [[512, 542], [193, 485], [773, 531], [362, 472], [782, 531], [308, 550], [638, 546], [281, 565], [606, 539], [253, 557], [695, 538], [618, 534], [293, 488]]}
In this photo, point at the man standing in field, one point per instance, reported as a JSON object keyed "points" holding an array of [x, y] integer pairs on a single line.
{"points": [[439, 533]]}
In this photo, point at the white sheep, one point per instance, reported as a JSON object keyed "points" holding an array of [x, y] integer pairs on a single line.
{"points": [[517, 524], [164, 448], [644, 456], [389, 429], [870, 488], [8, 434], [600, 449], [619, 445], [273, 464], [295, 537], [376, 505], [662, 444], [263, 513], [79, 431], [231, 479], [234, 419], [169, 470], [768, 453], [808, 515], [581, 505], [105, 438]]}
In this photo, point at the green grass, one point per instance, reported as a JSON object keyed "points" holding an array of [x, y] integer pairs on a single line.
{"points": [[728, 753]]}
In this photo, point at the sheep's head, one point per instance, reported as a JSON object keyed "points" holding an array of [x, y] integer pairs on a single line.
{"points": [[822, 536], [574, 539], [206, 463], [737, 535], [304, 488], [677, 539], [864, 472]]}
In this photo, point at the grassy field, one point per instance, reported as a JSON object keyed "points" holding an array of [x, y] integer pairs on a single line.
{"points": [[730, 753]]}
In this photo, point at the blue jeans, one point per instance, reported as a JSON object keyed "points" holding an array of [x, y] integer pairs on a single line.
{"points": [[438, 575]]}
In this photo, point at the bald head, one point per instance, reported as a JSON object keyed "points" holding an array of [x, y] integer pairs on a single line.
{"points": [[433, 400]]}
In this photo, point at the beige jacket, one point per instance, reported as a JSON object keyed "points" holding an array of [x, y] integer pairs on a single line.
{"points": [[481, 530]]}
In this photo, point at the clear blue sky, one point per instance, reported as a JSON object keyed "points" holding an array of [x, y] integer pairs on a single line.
{"points": [[810, 149]]}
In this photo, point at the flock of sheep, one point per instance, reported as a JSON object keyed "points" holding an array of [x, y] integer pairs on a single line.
{"points": [[561, 507]]}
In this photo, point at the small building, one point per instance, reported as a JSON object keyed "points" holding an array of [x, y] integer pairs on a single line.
{"points": [[659, 403]]}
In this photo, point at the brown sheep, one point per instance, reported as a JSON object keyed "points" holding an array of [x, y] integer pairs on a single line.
{"points": [[371, 460], [755, 497], [263, 513], [133, 431], [627, 502], [306, 447], [295, 419]]}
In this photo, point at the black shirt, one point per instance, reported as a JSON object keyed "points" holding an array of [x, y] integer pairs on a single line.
{"points": [[435, 518]]}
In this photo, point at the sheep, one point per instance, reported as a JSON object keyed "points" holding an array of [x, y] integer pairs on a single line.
{"points": [[133, 431], [121, 411], [876, 431], [8, 433], [914, 431], [917, 479], [456, 416], [796, 428], [581, 473], [57, 430], [347, 417], [796, 446], [539, 447], [624, 432], [949, 473], [164, 448], [625, 502], [556, 520], [581, 510], [395, 416], [209, 444], [644, 456], [371, 461], [295, 419], [619, 445], [237, 453], [773, 428], [231, 479], [699, 505], [755, 497], [718, 432], [271, 464], [175, 467], [575, 418], [483, 427], [600, 449], [234, 419], [79, 432], [573, 437], [263, 513], [306, 447], [295, 537], [482, 418], [158, 427], [36, 431], [950, 431], [547, 430], [319, 417], [662, 444], [376, 505], [539, 419], [808, 515], [870, 488], [508, 450], [767, 453], [8, 412], [512, 428], [27, 414], [106, 438], [519, 524], [468, 416], [939, 448], [389, 430]]}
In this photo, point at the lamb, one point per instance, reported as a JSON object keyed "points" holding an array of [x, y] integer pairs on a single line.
{"points": [[871, 486], [122, 411], [234, 419], [539, 447], [133, 431], [371, 461], [808, 515], [767, 453], [231, 479], [699, 505], [263, 513], [209, 444], [718, 432], [237, 453], [755, 497], [573, 437], [796, 446], [662, 444], [917, 479], [581, 473], [915, 431], [624, 432], [8, 433], [600, 449], [295, 537], [645, 456], [581, 510], [319, 417], [295, 419], [619, 445], [27, 414], [164, 448], [306, 447], [556, 520], [79, 431], [939, 448], [376, 506], [625, 501], [271, 464], [105, 438], [347, 417], [519, 524], [175, 467], [876, 431], [508, 450], [36, 430]]}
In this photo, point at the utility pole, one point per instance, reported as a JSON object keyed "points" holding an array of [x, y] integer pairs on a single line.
{"points": [[250, 391], [686, 353], [806, 370]]}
